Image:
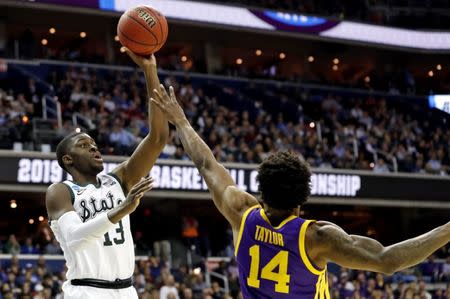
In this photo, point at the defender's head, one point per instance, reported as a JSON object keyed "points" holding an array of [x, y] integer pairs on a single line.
{"points": [[284, 181], [79, 151]]}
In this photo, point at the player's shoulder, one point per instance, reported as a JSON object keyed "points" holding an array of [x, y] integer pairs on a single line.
{"points": [[320, 233], [58, 200], [59, 192], [57, 189], [238, 199]]}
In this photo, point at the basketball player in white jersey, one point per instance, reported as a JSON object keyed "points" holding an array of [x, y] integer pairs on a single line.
{"points": [[90, 215]]}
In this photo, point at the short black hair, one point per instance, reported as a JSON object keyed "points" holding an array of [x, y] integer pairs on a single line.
{"points": [[284, 181], [63, 148]]}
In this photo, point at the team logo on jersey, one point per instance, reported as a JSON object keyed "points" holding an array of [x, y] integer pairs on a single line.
{"points": [[80, 191], [109, 182], [90, 208]]}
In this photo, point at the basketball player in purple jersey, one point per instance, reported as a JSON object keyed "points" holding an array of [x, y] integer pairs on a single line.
{"points": [[279, 254]]}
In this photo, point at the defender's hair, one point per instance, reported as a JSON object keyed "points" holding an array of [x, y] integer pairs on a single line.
{"points": [[63, 148], [284, 181]]}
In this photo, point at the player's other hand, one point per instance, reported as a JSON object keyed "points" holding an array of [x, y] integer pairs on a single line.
{"points": [[143, 62], [168, 104], [137, 191]]}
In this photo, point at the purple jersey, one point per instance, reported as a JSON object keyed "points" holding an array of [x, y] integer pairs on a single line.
{"points": [[273, 262]]}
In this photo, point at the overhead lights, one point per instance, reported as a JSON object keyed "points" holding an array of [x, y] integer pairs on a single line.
{"points": [[13, 204]]}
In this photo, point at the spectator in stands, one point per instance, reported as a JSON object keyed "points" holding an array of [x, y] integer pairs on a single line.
{"points": [[433, 164], [53, 247], [12, 246], [187, 294], [122, 140], [430, 269], [66, 128], [346, 287], [7, 292], [421, 290], [198, 285], [445, 276], [29, 247], [169, 290], [217, 293], [380, 167], [190, 233], [155, 267]]}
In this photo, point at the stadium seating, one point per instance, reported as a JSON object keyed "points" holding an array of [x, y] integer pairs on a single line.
{"points": [[42, 277], [409, 14], [240, 120]]}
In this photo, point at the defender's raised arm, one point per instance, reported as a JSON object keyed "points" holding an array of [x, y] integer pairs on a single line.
{"points": [[230, 201]]}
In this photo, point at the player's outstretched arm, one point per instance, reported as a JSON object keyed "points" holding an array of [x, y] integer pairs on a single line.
{"points": [[144, 157], [77, 233], [329, 242], [230, 201]]}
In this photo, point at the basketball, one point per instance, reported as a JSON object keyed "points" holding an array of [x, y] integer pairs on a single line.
{"points": [[143, 30]]}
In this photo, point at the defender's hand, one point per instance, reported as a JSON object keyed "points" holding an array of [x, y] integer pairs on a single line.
{"points": [[143, 62], [168, 104]]}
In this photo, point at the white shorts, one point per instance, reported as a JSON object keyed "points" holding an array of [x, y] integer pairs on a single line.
{"points": [[83, 292]]}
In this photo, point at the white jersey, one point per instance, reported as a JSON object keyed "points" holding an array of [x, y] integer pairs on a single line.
{"points": [[110, 257]]}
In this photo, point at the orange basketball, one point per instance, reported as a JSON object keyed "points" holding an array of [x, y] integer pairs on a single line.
{"points": [[143, 30]]}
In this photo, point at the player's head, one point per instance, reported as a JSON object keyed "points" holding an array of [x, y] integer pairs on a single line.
{"points": [[79, 151], [284, 181]]}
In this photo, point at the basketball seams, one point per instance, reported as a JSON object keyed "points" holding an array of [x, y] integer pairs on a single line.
{"points": [[138, 38], [147, 52], [144, 26], [158, 21], [135, 41]]}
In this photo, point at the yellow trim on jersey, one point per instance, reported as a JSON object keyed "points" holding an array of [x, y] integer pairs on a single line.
{"points": [[303, 255], [322, 289], [241, 228], [264, 216]]}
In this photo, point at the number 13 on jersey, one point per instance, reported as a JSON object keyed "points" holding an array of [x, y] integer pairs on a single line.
{"points": [[281, 278]]}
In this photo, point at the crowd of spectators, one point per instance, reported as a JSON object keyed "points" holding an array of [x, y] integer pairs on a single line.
{"points": [[372, 11], [30, 246], [246, 123], [155, 279]]}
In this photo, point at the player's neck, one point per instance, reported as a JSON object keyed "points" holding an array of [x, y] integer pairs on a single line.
{"points": [[84, 180], [277, 216]]}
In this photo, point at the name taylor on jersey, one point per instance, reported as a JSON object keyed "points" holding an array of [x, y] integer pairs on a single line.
{"points": [[266, 235]]}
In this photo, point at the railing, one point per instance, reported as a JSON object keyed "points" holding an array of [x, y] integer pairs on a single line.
{"points": [[387, 157], [210, 263], [51, 109], [79, 120], [309, 86]]}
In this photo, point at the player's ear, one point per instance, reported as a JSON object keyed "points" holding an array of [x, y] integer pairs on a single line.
{"points": [[67, 160]]}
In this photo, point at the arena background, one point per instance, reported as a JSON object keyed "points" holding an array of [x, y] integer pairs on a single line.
{"points": [[351, 77]]}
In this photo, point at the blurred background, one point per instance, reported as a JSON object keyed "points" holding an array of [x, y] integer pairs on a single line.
{"points": [[359, 89]]}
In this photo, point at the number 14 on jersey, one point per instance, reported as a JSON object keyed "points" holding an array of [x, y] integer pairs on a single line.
{"points": [[281, 278]]}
